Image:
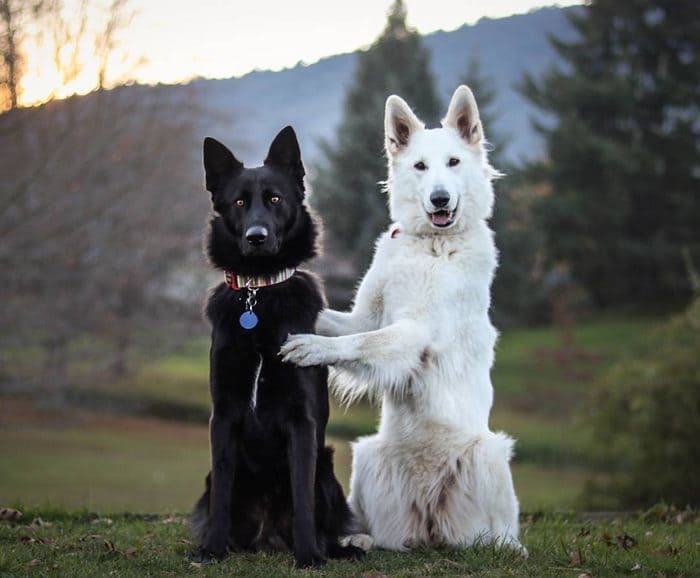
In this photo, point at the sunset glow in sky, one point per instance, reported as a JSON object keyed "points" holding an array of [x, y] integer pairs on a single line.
{"points": [[173, 41]]}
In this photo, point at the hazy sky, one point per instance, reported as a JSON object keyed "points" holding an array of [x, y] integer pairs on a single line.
{"points": [[181, 39]]}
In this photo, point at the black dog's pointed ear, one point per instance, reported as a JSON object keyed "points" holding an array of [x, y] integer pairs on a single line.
{"points": [[219, 163], [285, 153]]}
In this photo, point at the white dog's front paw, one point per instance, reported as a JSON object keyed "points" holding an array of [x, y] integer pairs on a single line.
{"points": [[306, 350]]}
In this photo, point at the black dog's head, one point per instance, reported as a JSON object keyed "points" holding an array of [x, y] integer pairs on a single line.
{"points": [[260, 223]]}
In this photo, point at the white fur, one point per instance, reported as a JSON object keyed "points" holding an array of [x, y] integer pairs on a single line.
{"points": [[419, 337]]}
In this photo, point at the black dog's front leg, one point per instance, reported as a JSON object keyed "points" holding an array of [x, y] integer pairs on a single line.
{"points": [[302, 462], [302, 457], [232, 376], [224, 446]]}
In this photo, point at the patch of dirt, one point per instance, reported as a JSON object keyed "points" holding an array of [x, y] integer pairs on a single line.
{"points": [[23, 413]]}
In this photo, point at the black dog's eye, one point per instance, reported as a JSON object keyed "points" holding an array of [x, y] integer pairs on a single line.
{"points": [[275, 199], [453, 162], [240, 203], [420, 165]]}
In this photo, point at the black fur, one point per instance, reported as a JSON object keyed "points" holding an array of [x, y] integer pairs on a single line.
{"points": [[272, 484]]}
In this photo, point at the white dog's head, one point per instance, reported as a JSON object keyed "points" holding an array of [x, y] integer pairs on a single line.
{"points": [[439, 179]]}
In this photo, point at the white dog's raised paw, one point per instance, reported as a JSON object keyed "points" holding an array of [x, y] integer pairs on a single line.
{"points": [[306, 350], [362, 541]]}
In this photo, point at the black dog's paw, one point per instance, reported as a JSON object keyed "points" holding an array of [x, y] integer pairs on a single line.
{"points": [[203, 556], [346, 552], [311, 561]]}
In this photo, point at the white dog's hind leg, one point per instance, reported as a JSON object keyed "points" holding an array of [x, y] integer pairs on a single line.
{"points": [[494, 486], [376, 496]]}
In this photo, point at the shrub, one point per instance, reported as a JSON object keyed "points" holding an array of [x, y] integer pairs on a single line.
{"points": [[645, 415]]}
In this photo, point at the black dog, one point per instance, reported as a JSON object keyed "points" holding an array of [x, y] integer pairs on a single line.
{"points": [[271, 483]]}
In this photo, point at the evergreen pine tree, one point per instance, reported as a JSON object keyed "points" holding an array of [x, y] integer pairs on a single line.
{"points": [[347, 188], [623, 163]]}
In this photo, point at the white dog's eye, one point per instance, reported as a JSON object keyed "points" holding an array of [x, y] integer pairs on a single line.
{"points": [[240, 202], [420, 166], [453, 162]]}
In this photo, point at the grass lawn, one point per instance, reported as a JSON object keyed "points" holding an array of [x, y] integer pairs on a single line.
{"points": [[110, 463], [537, 385], [531, 371], [52, 542], [146, 465]]}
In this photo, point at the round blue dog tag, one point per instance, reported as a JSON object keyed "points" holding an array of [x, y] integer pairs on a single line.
{"points": [[248, 320]]}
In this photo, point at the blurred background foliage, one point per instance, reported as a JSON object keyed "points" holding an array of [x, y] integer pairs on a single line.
{"points": [[103, 353]]}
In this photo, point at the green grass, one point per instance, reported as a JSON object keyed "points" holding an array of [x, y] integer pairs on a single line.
{"points": [[531, 373], [181, 377], [83, 544], [119, 465], [146, 465]]}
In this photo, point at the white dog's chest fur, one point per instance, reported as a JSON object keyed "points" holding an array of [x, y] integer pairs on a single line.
{"points": [[443, 282]]}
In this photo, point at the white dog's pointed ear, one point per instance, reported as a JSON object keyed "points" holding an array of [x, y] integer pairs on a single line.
{"points": [[463, 114], [399, 124]]}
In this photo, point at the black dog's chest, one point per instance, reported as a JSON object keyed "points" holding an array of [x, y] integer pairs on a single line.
{"points": [[290, 307], [266, 392], [274, 404]]}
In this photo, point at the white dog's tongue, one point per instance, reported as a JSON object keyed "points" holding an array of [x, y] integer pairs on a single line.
{"points": [[441, 218]]}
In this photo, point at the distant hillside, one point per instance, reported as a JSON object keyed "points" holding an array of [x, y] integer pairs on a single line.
{"points": [[252, 108]]}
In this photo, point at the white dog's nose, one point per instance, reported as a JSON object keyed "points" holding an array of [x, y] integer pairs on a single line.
{"points": [[439, 198]]}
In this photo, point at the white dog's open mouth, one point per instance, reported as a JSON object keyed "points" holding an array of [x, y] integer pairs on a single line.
{"points": [[442, 218]]}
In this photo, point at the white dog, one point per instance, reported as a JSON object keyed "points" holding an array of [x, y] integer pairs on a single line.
{"points": [[419, 337]]}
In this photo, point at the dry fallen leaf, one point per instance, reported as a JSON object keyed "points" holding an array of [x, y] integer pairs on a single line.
{"points": [[625, 541], [10, 514], [196, 564], [131, 552], [668, 550], [34, 562], [39, 523], [637, 566], [27, 539], [584, 575], [576, 558]]}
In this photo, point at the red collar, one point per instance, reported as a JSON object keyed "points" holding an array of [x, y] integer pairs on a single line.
{"points": [[238, 282]]}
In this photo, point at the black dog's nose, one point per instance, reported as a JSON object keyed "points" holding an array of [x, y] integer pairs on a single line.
{"points": [[256, 235], [439, 198]]}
